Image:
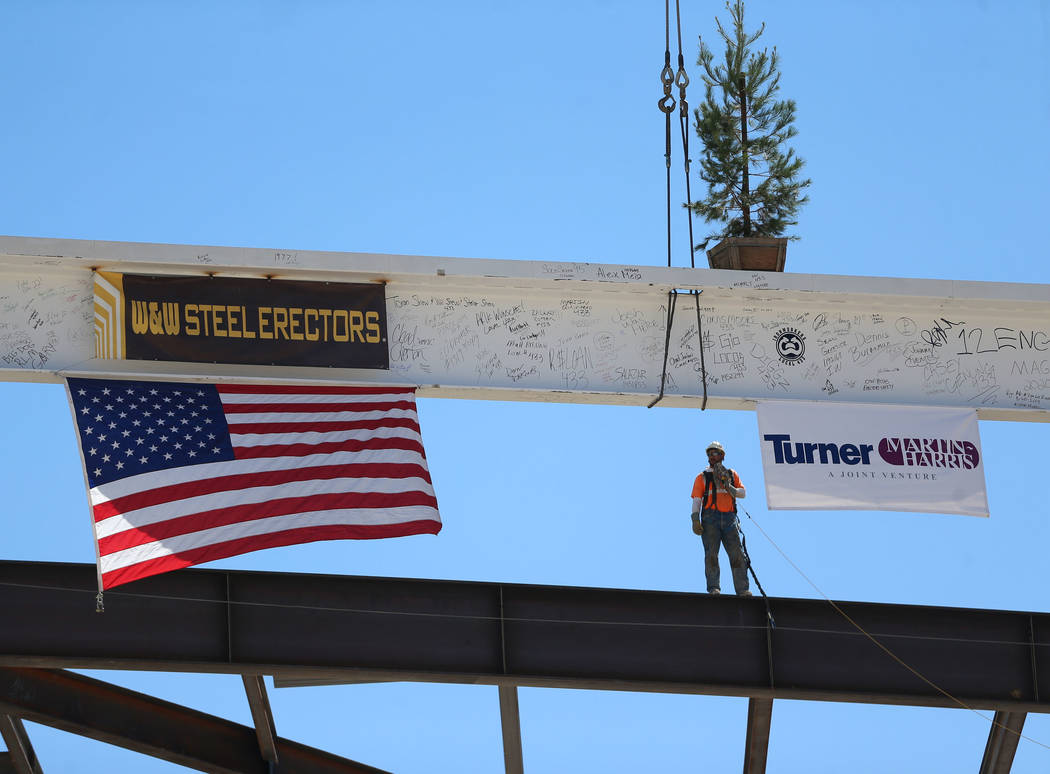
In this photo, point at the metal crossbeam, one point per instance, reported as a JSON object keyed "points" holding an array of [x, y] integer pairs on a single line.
{"points": [[1002, 742], [510, 720], [450, 631], [20, 753], [7, 765], [262, 716], [756, 743], [98, 710]]}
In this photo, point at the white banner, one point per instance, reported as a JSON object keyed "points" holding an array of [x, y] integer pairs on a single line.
{"points": [[851, 456]]}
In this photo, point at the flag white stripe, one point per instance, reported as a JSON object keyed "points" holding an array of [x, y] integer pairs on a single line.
{"points": [[175, 476], [278, 397], [154, 514], [353, 516], [320, 416], [311, 437]]}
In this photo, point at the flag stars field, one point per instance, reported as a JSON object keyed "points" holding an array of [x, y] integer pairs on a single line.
{"points": [[116, 416]]}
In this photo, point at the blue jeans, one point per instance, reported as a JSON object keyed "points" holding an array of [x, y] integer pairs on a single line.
{"points": [[720, 529]]}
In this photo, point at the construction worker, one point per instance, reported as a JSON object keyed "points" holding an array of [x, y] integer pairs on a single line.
{"points": [[715, 493]]}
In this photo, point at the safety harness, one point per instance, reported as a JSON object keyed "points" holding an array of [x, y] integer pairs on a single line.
{"points": [[709, 491]]}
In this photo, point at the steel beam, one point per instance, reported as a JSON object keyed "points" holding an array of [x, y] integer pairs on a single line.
{"points": [[338, 628], [756, 743], [20, 753], [567, 332], [510, 720], [98, 710], [262, 716], [1002, 742]]}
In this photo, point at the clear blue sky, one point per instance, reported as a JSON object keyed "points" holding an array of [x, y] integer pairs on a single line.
{"points": [[530, 131]]}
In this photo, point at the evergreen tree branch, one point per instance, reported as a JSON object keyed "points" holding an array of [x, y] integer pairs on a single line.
{"points": [[745, 145]]}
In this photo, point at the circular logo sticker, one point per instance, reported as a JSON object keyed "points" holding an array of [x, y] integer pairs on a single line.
{"points": [[791, 345]]}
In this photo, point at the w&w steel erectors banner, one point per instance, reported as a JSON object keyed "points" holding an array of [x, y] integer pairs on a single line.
{"points": [[240, 320], [849, 456]]}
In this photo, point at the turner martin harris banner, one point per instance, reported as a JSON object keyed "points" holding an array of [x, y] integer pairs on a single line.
{"points": [[841, 456], [239, 320]]}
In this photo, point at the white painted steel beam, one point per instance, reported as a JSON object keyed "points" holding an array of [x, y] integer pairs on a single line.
{"points": [[583, 332]]}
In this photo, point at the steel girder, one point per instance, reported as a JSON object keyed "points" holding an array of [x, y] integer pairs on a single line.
{"points": [[306, 628], [108, 713], [756, 742], [20, 757], [1003, 738]]}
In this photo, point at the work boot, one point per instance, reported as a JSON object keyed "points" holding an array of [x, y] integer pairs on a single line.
{"points": [[744, 593], [714, 592]]}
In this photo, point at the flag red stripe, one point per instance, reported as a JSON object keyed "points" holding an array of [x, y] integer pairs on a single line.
{"points": [[310, 408], [322, 427], [305, 449], [173, 492], [236, 514], [271, 540], [300, 389]]}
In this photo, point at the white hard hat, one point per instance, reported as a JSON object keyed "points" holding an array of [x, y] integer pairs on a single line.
{"points": [[716, 446]]}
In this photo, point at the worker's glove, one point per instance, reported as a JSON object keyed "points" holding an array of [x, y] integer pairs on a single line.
{"points": [[698, 528], [725, 478]]}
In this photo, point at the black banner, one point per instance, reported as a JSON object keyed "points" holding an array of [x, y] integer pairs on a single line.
{"points": [[255, 321]]}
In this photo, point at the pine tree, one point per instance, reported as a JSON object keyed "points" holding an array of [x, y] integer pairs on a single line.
{"points": [[753, 186]]}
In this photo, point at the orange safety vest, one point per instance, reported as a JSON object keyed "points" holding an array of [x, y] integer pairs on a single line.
{"points": [[715, 498]]}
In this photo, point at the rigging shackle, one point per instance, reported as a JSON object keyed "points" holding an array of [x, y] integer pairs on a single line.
{"points": [[667, 78]]}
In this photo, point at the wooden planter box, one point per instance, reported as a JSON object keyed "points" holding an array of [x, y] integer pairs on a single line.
{"points": [[749, 253]]}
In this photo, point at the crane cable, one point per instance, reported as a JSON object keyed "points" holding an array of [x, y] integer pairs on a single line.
{"points": [[681, 80], [667, 104]]}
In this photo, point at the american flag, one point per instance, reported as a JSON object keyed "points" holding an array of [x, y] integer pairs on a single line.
{"points": [[181, 474]]}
